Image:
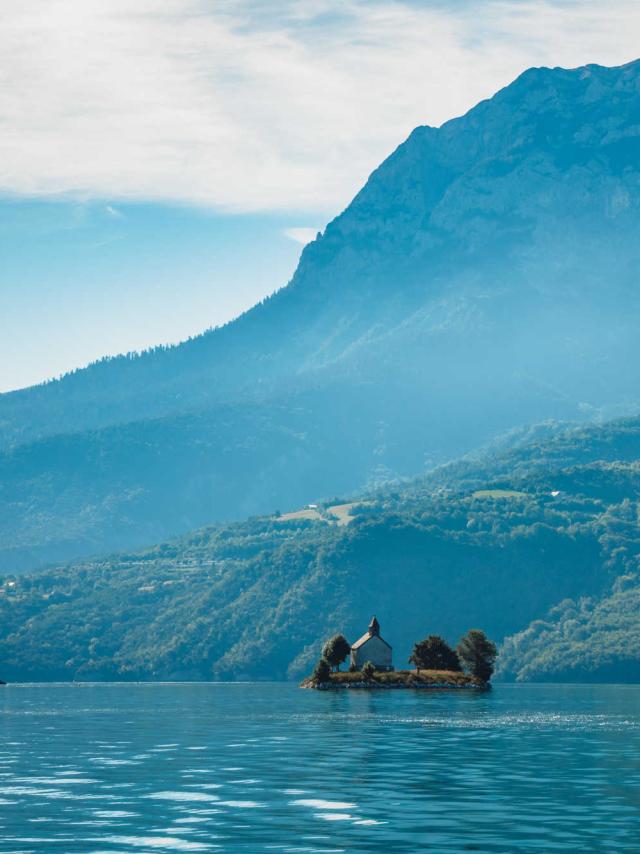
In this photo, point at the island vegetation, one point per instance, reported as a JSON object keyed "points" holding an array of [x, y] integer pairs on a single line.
{"points": [[437, 665], [373, 680]]}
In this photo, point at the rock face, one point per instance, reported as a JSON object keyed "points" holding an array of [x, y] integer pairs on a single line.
{"points": [[484, 278]]}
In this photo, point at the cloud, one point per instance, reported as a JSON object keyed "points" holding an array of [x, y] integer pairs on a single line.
{"points": [[302, 234], [244, 106]]}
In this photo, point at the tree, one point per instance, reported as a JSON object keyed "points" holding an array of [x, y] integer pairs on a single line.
{"points": [[368, 671], [434, 653], [335, 650], [477, 653], [322, 671]]}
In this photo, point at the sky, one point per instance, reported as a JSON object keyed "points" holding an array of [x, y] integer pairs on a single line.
{"points": [[163, 162]]}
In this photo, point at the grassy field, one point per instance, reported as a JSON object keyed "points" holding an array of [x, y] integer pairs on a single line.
{"points": [[341, 514], [308, 513], [399, 679], [498, 493]]}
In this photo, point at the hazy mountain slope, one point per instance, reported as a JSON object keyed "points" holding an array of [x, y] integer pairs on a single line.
{"points": [[589, 639], [495, 543], [72, 495], [485, 277], [527, 202], [545, 454]]}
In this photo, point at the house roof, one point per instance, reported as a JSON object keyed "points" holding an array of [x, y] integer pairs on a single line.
{"points": [[367, 637]]}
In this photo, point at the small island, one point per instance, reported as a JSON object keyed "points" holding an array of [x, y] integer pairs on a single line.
{"points": [[437, 666]]}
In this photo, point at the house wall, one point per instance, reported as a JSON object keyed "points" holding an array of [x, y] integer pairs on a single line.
{"points": [[374, 650]]}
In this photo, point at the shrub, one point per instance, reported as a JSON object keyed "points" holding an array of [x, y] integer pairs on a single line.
{"points": [[434, 653], [478, 654], [322, 671], [368, 671]]}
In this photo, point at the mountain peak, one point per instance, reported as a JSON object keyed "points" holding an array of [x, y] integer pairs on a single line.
{"points": [[485, 277]]}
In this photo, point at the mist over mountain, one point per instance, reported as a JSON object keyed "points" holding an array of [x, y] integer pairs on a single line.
{"points": [[485, 278]]}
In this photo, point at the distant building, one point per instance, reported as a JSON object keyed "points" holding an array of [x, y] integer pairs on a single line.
{"points": [[371, 647]]}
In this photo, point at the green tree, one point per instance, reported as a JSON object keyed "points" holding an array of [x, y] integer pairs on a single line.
{"points": [[434, 653], [322, 671], [368, 671], [335, 650], [477, 653]]}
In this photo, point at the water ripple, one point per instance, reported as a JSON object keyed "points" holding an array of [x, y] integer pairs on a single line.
{"points": [[124, 769]]}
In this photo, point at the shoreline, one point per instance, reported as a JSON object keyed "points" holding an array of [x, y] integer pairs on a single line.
{"points": [[425, 680]]}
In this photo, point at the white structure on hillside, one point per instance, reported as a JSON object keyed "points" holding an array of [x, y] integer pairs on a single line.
{"points": [[371, 647]]}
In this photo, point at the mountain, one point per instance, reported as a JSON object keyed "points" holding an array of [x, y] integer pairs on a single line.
{"points": [[538, 544], [485, 278], [586, 639]]}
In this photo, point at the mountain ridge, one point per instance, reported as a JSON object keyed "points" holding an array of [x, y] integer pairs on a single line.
{"points": [[484, 278], [318, 247]]}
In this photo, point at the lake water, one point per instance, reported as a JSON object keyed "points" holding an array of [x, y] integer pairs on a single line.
{"points": [[262, 767]]}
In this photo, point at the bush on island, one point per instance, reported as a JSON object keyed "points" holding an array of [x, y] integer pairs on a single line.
{"points": [[322, 671], [368, 671], [335, 650], [477, 653], [434, 653]]}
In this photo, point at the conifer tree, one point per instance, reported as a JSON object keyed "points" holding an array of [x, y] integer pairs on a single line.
{"points": [[478, 654]]}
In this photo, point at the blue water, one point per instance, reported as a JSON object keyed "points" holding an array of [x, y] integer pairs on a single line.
{"points": [[260, 767]]}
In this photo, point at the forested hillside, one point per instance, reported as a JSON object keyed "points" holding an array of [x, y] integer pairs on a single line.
{"points": [[587, 639], [495, 542], [485, 278]]}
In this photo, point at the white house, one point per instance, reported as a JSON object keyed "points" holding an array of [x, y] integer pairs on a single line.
{"points": [[371, 647]]}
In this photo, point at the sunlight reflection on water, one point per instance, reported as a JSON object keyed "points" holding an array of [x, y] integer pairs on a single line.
{"points": [[151, 768]]}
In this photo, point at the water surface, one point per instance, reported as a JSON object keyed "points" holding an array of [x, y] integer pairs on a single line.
{"points": [[259, 767]]}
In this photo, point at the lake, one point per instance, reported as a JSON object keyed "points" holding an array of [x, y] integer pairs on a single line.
{"points": [[265, 767]]}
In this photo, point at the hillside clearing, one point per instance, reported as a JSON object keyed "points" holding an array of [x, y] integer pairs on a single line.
{"points": [[341, 513], [498, 493]]}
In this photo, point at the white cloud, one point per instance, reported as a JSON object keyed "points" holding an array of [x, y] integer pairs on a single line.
{"points": [[302, 234], [260, 105]]}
